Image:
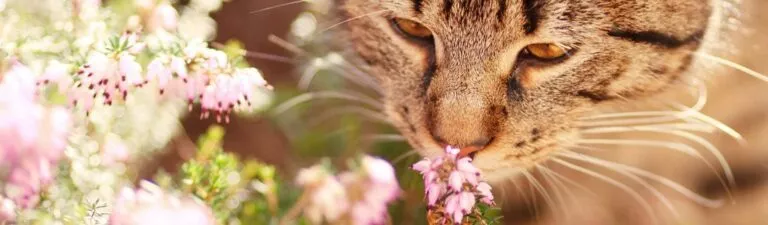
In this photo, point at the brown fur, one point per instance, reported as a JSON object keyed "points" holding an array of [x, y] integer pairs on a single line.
{"points": [[626, 51], [469, 86]]}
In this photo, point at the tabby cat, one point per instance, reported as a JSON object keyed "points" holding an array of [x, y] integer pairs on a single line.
{"points": [[520, 85]]}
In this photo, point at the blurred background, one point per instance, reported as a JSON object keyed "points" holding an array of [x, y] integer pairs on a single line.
{"points": [[319, 128]]}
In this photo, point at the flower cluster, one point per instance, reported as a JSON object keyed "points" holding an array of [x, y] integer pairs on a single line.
{"points": [[353, 197], [32, 136], [453, 186], [107, 74], [157, 15], [206, 75], [196, 73], [151, 205], [7, 210]]}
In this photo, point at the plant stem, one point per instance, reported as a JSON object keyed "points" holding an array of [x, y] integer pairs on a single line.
{"points": [[294, 212]]}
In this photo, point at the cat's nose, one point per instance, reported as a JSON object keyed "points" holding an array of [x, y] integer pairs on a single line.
{"points": [[469, 150]]}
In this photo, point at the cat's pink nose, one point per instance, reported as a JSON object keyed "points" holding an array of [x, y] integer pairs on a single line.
{"points": [[470, 150]]}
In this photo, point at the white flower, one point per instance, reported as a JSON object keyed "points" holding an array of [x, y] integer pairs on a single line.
{"points": [[7, 209]]}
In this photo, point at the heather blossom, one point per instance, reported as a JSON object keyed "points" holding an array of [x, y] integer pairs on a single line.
{"points": [[196, 73], [32, 136], [110, 74], [7, 210], [327, 199], [453, 186], [158, 15], [206, 76], [353, 197], [150, 205]]}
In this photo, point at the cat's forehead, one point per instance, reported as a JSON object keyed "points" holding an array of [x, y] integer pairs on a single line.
{"points": [[507, 16]]}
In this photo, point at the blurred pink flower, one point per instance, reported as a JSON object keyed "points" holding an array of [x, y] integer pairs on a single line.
{"points": [[379, 187], [204, 75], [32, 137], [149, 205], [110, 77], [114, 151], [7, 211], [200, 75], [327, 199], [164, 16], [452, 185], [353, 197]]}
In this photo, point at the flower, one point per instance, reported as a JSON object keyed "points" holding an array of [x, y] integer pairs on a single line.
{"points": [[380, 188], [32, 136], [114, 151], [205, 75], [327, 199], [149, 205], [7, 211], [353, 197], [452, 186]]}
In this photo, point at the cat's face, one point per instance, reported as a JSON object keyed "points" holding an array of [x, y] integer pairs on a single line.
{"points": [[508, 79]]}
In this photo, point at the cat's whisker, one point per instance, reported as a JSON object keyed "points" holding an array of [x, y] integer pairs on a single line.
{"points": [[539, 188], [702, 97], [568, 180], [309, 74], [701, 101], [385, 138], [556, 188], [680, 147], [259, 55], [374, 116], [352, 19], [278, 6], [357, 76], [648, 175], [332, 61], [295, 101], [404, 156], [717, 124], [287, 45], [628, 122], [693, 127], [731, 181], [643, 203], [664, 200], [355, 69], [336, 63], [529, 202], [733, 65], [603, 116]]}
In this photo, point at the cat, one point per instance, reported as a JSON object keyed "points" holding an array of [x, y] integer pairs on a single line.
{"points": [[521, 85]]}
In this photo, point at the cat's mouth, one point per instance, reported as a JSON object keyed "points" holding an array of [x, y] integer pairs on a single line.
{"points": [[469, 151]]}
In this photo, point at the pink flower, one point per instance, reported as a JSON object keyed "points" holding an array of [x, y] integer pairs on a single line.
{"points": [[200, 74], [452, 186], [164, 17], [380, 188], [32, 136], [106, 76], [7, 211], [434, 192], [327, 196], [357, 197], [150, 205], [114, 151], [456, 181]]}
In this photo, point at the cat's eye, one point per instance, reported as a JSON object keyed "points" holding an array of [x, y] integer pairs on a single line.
{"points": [[546, 51], [412, 28]]}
